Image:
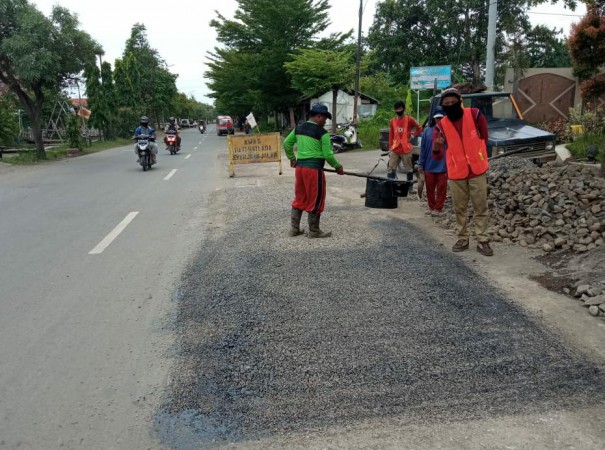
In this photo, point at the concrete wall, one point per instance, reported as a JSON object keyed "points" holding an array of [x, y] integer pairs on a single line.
{"points": [[344, 106]]}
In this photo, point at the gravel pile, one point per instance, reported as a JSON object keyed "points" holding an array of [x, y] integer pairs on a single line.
{"points": [[280, 335], [554, 207], [559, 209], [511, 164], [591, 295]]}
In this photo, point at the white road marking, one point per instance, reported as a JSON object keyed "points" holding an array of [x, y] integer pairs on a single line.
{"points": [[188, 156], [195, 148], [169, 176], [101, 246]]}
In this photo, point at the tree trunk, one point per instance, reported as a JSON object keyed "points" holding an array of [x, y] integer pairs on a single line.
{"points": [[334, 100], [292, 119], [37, 132], [477, 77], [37, 123], [32, 108]]}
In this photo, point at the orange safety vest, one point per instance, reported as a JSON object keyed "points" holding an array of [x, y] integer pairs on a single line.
{"points": [[465, 155], [400, 142]]}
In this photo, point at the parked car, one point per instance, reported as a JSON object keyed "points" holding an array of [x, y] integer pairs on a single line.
{"points": [[508, 132], [185, 123], [224, 125]]}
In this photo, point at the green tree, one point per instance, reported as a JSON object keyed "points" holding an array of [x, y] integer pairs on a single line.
{"points": [[546, 49], [316, 71], [142, 80], [407, 33], [409, 106], [380, 87], [249, 73], [74, 132], [39, 54], [9, 123], [539, 46], [587, 49], [233, 80], [102, 99]]}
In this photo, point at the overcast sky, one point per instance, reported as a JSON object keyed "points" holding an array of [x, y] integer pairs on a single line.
{"points": [[180, 31]]}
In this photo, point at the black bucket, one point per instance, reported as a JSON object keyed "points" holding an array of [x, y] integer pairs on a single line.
{"points": [[400, 188], [379, 194]]}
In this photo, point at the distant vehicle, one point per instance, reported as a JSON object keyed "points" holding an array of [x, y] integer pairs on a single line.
{"points": [[224, 125], [171, 142], [185, 123]]}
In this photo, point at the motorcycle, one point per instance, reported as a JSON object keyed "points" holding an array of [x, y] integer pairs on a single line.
{"points": [[144, 150], [346, 141], [202, 128], [171, 142]]}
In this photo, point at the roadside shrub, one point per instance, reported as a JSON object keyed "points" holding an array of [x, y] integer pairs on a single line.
{"points": [[559, 127], [9, 125], [74, 132], [579, 146], [592, 119], [368, 129]]}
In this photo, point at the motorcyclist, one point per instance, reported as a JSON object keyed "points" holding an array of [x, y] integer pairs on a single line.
{"points": [[145, 129], [172, 126]]}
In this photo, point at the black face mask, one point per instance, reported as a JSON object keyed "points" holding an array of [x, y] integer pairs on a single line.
{"points": [[400, 113], [453, 112]]}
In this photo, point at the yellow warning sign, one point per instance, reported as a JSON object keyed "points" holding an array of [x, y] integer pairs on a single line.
{"points": [[254, 148]]}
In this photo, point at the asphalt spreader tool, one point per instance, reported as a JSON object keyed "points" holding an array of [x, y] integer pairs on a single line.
{"points": [[381, 192]]}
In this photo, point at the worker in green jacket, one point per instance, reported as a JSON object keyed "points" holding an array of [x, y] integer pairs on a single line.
{"points": [[314, 149]]}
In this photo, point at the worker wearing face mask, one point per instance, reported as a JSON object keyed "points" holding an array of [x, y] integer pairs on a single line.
{"points": [[463, 131], [401, 131]]}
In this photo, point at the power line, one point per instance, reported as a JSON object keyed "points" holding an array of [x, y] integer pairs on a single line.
{"points": [[555, 14]]}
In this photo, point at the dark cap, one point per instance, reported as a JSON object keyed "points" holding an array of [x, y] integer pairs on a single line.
{"points": [[318, 108], [451, 92]]}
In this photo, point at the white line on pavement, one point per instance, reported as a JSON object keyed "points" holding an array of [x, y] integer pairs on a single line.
{"points": [[195, 148], [101, 246], [169, 176], [188, 156]]}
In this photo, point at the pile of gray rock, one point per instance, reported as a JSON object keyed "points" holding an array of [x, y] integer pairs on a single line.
{"points": [[555, 207], [592, 295]]}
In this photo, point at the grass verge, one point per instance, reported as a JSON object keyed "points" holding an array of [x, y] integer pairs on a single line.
{"points": [[579, 146], [29, 156]]}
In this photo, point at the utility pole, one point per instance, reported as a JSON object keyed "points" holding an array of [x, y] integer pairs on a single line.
{"points": [[358, 63], [492, 20]]}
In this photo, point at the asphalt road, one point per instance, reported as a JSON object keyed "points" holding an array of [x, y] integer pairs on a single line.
{"points": [[84, 307], [377, 338], [169, 309]]}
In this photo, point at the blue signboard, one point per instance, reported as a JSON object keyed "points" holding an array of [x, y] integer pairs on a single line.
{"points": [[424, 77]]}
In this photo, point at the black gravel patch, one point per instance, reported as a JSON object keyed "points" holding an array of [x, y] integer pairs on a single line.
{"points": [[280, 335]]}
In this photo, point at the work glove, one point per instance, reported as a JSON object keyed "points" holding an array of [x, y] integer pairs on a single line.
{"points": [[293, 162], [340, 170]]}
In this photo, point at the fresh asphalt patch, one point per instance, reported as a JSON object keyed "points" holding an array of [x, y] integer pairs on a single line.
{"points": [[280, 335]]}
